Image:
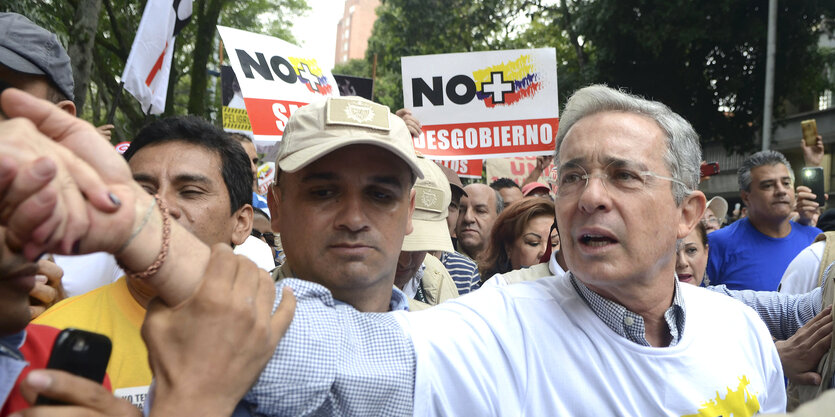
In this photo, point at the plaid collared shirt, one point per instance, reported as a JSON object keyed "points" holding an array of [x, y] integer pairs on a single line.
{"points": [[628, 324]]}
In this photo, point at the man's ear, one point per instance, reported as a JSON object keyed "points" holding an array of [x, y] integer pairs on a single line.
{"points": [[273, 200], [67, 106], [243, 224], [692, 210], [744, 195], [409, 226]]}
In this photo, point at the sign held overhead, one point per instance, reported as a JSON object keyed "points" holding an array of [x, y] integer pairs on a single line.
{"points": [[483, 104]]}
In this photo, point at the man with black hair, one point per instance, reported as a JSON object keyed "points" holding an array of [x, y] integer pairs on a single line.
{"points": [[253, 248], [204, 178], [258, 201], [509, 190]]}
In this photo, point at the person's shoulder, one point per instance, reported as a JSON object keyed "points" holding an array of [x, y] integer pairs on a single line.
{"points": [[721, 236], [38, 345], [809, 231], [42, 335], [728, 231], [66, 310], [433, 263], [304, 291], [531, 273], [543, 288], [456, 259], [716, 307]]}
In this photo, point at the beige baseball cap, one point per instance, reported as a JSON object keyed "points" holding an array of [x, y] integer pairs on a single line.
{"points": [[452, 177], [324, 126], [432, 197], [719, 207]]}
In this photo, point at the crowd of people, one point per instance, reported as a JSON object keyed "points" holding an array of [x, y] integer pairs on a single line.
{"points": [[372, 281]]}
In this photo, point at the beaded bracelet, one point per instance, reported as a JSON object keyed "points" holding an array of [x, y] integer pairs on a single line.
{"points": [[163, 252]]}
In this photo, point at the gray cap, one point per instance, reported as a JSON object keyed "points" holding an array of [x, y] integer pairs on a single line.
{"points": [[28, 48]]}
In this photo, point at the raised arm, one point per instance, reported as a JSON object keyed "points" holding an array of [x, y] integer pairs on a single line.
{"points": [[84, 199], [783, 314]]}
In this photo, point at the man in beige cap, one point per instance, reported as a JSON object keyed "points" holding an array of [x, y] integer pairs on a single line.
{"points": [[343, 200], [421, 276]]}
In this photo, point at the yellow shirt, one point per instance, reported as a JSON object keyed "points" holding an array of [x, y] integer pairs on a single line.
{"points": [[112, 311]]}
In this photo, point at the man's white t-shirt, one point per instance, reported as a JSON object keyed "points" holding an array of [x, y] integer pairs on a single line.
{"points": [[83, 273], [536, 348], [500, 280], [801, 275], [258, 252]]}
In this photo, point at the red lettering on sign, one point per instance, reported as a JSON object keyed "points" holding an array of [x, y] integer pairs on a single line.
{"points": [[268, 117], [487, 139], [517, 168]]}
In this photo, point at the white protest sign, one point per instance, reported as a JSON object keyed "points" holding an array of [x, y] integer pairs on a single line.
{"points": [[276, 78], [517, 169], [480, 105]]}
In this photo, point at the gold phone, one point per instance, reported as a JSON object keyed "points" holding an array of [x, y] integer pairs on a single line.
{"points": [[810, 131]]}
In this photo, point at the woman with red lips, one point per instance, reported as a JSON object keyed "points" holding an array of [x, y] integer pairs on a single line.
{"points": [[691, 257]]}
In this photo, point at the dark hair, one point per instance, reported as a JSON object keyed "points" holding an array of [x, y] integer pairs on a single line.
{"points": [[235, 164], [700, 226], [762, 158], [508, 227], [240, 137], [256, 211], [503, 183], [54, 95]]}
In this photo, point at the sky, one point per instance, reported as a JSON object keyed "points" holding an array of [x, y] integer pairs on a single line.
{"points": [[316, 30]]}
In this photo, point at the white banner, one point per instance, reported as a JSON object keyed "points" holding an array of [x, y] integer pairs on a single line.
{"points": [[517, 169], [480, 105], [149, 63], [276, 78]]}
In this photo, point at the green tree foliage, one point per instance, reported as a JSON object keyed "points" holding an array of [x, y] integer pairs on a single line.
{"points": [[554, 26], [192, 89], [354, 68], [421, 27], [707, 60]]}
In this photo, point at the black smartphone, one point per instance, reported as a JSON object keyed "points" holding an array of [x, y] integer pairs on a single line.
{"points": [[81, 353], [812, 177]]}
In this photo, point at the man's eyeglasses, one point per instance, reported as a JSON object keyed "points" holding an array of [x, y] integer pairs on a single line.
{"points": [[268, 237], [619, 176]]}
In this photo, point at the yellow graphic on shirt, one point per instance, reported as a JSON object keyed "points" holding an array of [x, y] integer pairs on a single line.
{"points": [[739, 403]]}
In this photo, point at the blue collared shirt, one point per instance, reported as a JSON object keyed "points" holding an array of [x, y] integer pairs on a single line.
{"points": [[11, 363]]}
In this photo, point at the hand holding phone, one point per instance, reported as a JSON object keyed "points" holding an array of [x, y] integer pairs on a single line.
{"points": [[84, 397], [812, 177], [810, 131], [81, 353], [708, 169]]}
